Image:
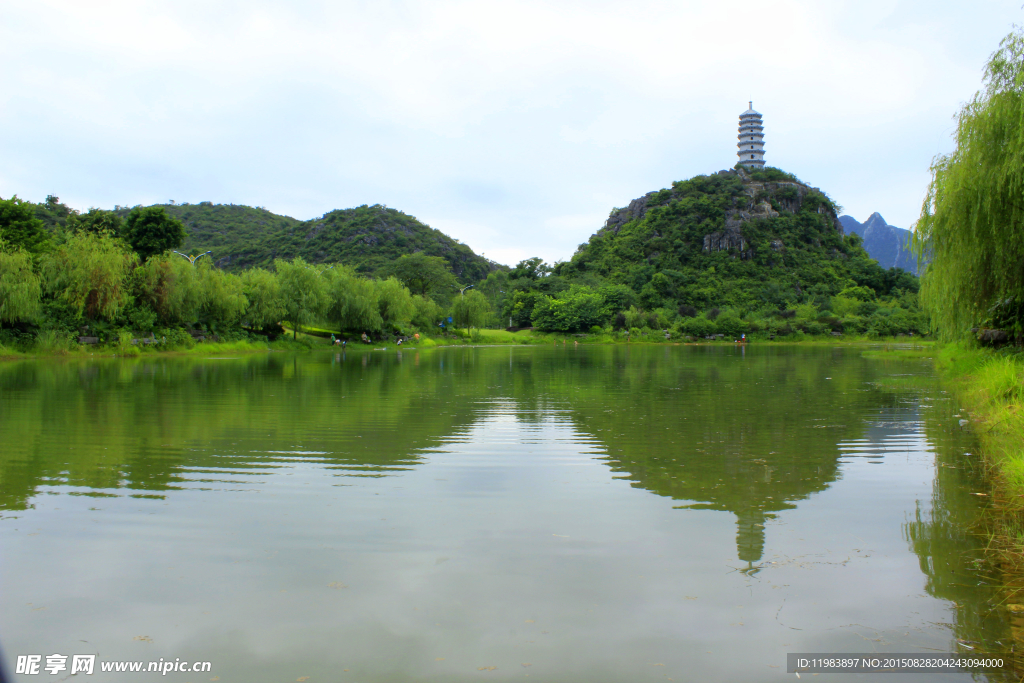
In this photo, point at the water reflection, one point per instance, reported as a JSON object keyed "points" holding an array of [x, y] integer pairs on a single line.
{"points": [[443, 504], [749, 434]]}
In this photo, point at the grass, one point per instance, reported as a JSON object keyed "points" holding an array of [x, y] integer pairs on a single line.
{"points": [[990, 386], [52, 343]]}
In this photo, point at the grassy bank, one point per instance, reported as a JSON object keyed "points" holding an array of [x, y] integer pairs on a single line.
{"points": [[990, 389], [319, 339], [129, 350]]}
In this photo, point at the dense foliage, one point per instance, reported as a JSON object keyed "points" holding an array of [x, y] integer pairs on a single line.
{"points": [[95, 284], [732, 253], [972, 221], [369, 238]]}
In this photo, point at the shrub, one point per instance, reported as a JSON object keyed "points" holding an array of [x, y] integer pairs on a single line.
{"points": [[730, 325], [698, 327], [578, 308]]}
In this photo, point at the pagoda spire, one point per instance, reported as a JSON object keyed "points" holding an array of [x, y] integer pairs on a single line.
{"points": [[751, 138]]}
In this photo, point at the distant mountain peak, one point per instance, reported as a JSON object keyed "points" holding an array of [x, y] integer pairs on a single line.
{"points": [[887, 244], [875, 219]]}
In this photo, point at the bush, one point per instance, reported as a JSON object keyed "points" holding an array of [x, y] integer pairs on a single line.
{"points": [[698, 327], [578, 308], [730, 325], [176, 338]]}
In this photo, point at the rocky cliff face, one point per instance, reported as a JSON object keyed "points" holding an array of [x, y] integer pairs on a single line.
{"points": [[887, 244], [761, 200]]}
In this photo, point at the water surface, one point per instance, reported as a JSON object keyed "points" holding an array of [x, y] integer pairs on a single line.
{"points": [[561, 514]]}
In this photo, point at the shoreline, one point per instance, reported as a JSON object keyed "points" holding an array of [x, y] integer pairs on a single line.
{"points": [[906, 347], [989, 386]]}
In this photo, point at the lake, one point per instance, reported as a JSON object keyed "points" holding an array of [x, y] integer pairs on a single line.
{"points": [[600, 513]]}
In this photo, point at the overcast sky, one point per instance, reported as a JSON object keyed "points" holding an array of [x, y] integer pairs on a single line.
{"points": [[512, 126]]}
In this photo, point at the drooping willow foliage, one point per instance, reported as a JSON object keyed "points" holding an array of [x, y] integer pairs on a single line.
{"points": [[972, 221], [19, 287]]}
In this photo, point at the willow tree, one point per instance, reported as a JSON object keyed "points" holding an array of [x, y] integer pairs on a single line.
{"points": [[972, 222], [394, 303], [90, 274], [353, 301], [172, 287], [19, 286], [224, 299], [304, 294], [470, 309], [263, 292]]}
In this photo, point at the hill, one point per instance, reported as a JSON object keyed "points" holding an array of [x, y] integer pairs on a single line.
{"points": [[736, 238], [885, 243], [366, 237]]}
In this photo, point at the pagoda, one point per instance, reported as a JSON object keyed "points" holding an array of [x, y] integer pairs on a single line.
{"points": [[751, 139]]}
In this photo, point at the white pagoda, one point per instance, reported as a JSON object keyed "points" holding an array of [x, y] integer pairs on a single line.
{"points": [[751, 138]]}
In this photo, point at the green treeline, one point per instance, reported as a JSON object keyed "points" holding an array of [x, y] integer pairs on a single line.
{"points": [[118, 278], [740, 252]]}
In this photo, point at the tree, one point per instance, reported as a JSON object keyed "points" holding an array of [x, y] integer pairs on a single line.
{"points": [[19, 287], [495, 287], [470, 309], [303, 292], [171, 287], [150, 231], [352, 301], [972, 220], [426, 314], [263, 294], [519, 307], [530, 269], [579, 308], [394, 303], [224, 300], [20, 228], [425, 275], [98, 220], [89, 273]]}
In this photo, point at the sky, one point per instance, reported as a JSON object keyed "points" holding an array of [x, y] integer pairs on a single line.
{"points": [[514, 126]]}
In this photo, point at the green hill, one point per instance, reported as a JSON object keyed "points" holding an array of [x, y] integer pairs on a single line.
{"points": [[369, 238], [736, 238]]}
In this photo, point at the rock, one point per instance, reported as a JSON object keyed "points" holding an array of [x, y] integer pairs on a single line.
{"points": [[730, 238], [637, 209], [995, 336]]}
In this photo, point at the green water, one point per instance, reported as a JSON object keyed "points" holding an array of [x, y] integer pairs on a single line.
{"points": [[558, 514]]}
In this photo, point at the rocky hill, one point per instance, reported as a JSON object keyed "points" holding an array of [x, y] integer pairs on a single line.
{"points": [[734, 238], [366, 237], [885, 243]]}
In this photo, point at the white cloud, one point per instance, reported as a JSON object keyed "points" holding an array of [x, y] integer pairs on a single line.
{"points": [[521, 123]]}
